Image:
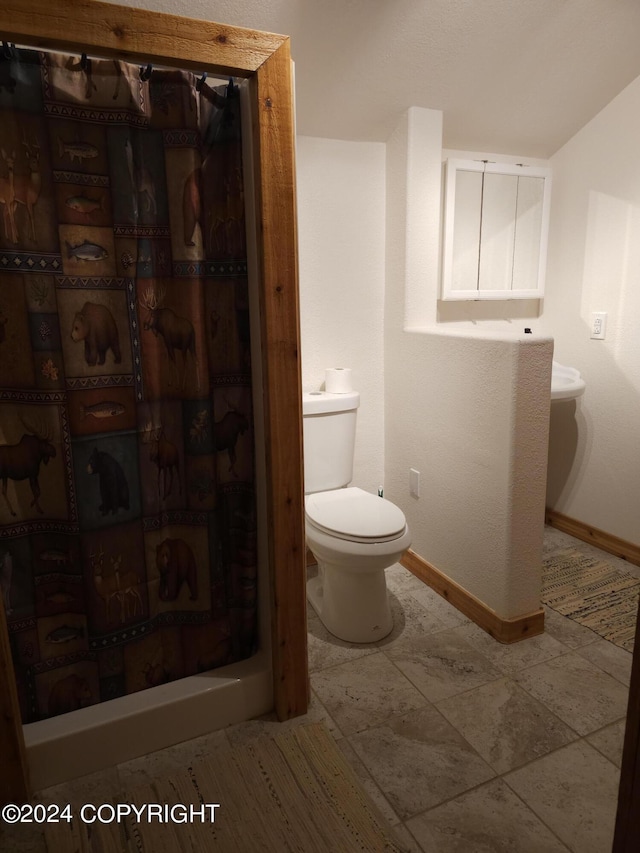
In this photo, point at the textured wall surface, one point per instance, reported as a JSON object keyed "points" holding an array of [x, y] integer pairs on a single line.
{"points": [[341, 234], [594, 472], [594, 265], [511, 75], [467, 406]]}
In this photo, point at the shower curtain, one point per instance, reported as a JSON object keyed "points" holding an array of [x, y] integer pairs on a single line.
{"points": [[127, 514]]}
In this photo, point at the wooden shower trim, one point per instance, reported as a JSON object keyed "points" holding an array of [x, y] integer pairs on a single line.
{"points": [[264, 58]]}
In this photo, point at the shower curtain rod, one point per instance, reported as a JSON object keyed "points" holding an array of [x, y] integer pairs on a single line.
{"points": [[8, 53]]}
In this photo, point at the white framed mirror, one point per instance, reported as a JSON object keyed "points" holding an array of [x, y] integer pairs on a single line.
{"points": [[496, 221]]}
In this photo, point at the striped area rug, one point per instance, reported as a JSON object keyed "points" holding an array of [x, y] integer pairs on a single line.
{"points": [[593, 593], [292, 793]]}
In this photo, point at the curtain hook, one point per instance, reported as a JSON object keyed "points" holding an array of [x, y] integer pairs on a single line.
{"points": [[84, 62], [7, 52], [200, 82], [145, 73]]}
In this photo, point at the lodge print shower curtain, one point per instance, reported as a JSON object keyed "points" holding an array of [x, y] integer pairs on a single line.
{"points": [[127, 513]]}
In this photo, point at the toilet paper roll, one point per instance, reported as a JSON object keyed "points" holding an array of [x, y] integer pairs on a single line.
{"points": [[337, 380]]}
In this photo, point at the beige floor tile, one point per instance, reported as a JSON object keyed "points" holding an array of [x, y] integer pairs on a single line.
{"points": [[437, 774], [556, 540], [574, 791], [610, 741], [441, 664], [401, 580], [610, 658], [439, 607], [326, 650], [577, 691], [489, 819], [419, 760], [511, 658], [410, 619], [566, 631], [505, 725], [362, 693]]}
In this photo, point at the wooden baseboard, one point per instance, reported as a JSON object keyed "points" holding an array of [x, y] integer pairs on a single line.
{"points": [[627, 832], [503, 630], [599, 538]]}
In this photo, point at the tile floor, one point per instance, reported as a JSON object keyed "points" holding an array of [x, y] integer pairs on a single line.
{"points": [[466, 745]]}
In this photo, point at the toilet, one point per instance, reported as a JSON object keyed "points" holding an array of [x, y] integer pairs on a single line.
{"points": [[353, 534]]}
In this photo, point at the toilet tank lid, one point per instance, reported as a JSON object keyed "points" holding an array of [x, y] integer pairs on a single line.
{"points": [[321, 402], [354, 512]]}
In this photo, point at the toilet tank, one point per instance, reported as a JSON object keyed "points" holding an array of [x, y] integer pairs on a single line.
{"points": [[329, 429]]}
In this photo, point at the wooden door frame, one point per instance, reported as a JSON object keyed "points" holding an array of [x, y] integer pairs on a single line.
{"points": [[627, 831], [88, 26]]}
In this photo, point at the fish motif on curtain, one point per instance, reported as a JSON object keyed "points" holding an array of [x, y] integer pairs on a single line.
{"points": [[127, 513]]}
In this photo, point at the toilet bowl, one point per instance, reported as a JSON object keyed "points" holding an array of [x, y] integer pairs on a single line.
{"points": [[354, 537]]}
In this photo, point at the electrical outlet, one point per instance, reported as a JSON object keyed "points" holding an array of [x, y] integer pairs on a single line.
{"points": [[598, 325], [414, 482]]}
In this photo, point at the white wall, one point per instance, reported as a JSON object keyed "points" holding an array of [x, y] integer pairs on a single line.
{"points": [[341, 243], [594, 265], [466, 404], [455, 400]]}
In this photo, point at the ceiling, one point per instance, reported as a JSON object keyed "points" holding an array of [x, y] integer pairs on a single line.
{"points": [[510, 76]]}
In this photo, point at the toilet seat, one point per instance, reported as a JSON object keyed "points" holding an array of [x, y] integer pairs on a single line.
{"points": [[355, 516]]}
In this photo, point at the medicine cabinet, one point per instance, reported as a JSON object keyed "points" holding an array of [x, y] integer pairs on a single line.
{"points": [[496, 221]]}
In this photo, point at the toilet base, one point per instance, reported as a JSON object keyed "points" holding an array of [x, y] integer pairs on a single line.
{"points": [[353, 606]]}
